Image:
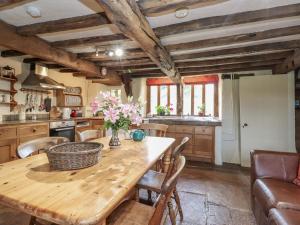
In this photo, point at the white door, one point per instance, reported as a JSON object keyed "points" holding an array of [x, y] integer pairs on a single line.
{"points": [[266, 114]]}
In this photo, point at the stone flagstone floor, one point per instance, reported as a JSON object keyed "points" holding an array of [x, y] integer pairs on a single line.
{"points": [[210, 196]]}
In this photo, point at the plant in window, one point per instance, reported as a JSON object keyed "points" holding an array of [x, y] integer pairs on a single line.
{"points": [[201, 110], [164, 110]]}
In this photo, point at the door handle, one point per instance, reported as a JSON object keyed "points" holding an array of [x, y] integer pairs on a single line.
{"points": [[245, 125]]}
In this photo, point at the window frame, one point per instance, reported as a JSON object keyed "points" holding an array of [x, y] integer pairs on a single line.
{"points": [[216, 97]]}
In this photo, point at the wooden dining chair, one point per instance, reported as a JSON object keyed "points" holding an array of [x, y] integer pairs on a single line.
{"points": [[135, 213], [154, 129], [89, 135], [37, 145], [153, 181]]}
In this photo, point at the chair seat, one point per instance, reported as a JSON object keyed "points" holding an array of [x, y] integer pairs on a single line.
{"points": [[152, 181], [131, 213]]}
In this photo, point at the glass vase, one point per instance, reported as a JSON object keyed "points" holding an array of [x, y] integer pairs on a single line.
{"points": [[114, 141]]}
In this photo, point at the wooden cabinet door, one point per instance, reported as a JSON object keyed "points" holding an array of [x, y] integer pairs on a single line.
{"points": [[203, 146], [8, 150]]}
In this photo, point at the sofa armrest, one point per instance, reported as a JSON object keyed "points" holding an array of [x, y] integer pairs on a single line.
{"points": [[277, 165]]}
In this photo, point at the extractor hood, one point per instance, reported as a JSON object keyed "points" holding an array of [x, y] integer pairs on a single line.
{"points": [[40, 82]]}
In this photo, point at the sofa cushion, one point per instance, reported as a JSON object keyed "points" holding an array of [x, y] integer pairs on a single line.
{"points": [[284, 217], [271, 193]]}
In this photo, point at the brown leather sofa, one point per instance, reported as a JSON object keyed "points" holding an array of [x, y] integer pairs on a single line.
{"points": [[275, 199]]}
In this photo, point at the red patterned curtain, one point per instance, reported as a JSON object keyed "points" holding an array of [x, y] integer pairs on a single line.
{"points": [[204, 79]]}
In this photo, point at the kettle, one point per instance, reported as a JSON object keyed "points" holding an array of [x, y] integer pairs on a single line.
{"points": [[137, 135]]}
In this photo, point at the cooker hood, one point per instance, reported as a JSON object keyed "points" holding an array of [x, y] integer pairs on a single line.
{"points": [[40, 82]]}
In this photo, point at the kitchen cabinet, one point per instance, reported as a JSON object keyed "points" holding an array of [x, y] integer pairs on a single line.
{"points": [[12, 136], [201, 144]]}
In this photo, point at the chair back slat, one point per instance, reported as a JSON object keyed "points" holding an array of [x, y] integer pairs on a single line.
{"points": [[28, 148], [155, 129], [89, 135], [166, 193]]}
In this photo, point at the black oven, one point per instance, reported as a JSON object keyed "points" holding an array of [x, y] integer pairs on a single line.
{"points": [[63, 129]]}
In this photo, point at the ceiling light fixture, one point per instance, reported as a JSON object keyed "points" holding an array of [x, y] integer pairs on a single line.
{"points": [[33, 11], [111, 53], [181, 12], [97, 52], [119, 52]]}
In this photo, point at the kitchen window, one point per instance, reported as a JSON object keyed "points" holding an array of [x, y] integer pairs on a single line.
{"points": [[200, 95]]}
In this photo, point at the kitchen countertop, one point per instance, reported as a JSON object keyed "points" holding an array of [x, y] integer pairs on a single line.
{"points": [[25, 122], [187, 120]]}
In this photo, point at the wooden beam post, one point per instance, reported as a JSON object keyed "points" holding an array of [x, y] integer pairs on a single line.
{"points": [[292, 62], [127, 16], [39, 48], [126, 80]]}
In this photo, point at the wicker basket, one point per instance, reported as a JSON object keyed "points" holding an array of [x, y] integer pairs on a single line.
{"points": [[71, 156]]}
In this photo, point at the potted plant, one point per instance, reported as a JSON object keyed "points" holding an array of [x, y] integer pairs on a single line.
{"points": [[201, 111], [117, 115], [164, 110]]}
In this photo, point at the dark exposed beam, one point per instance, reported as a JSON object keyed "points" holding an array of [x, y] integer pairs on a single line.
{"points": [[64, 24], [98, 40], [39, 48], [246, 65], [67, 70], [9, 3], [161, 7], [11, 53], [234, 39], [228, 20], [208, 72], [288, 45], [33, 60], [291, 63], [127, 16]]}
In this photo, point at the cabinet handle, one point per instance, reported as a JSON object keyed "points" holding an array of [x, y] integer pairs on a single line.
{"points": [[34, 129]]}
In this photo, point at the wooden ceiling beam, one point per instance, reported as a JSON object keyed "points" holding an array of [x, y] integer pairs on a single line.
{"points": [[10, 3], [275, 46], [11, 53], [131, 62], [67, 70], [269, 63], [207, 72], [161, 7], [291, 63], [39, 48], [97, 40], [229, 20], [234, 39], [64, 24], [127, 16]]}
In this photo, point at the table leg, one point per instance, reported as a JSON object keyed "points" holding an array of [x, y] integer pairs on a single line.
{"points": [[166, 160]]}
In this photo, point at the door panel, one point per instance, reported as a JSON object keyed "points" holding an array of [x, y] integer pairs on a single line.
{"points": [[264, 114]]}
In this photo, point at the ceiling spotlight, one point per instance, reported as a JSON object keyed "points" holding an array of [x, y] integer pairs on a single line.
{"points": [[97, 52], [111, 53], [119, 52], [33, 11], [181, 12]]}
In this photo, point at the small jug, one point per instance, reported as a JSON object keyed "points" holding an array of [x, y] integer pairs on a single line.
{"points": [[137, 135]]}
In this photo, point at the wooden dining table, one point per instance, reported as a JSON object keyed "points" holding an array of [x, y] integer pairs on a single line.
{"points": [[80, 197]]}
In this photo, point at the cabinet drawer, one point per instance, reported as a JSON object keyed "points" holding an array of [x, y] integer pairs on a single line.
{"points": [[33, 137], [204, 130], [34, 130], [8, 133], [184, 129]]}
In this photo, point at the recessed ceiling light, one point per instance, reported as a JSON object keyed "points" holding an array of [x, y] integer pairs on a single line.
{"points": [[119, 52], [33, 11], [181, 12]]}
